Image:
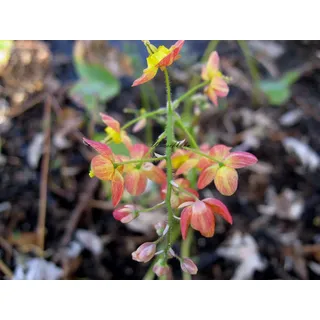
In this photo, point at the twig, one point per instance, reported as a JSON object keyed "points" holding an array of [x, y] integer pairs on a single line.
{"points": [[6, 270], [44, 174], [83, 203]]}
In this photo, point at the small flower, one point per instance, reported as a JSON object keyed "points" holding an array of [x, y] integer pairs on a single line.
{"points": [[160, 57], [161, 268], [138, 174], [160, 227], [218, 86], [102, 166], [188, 266], [114, 131], [200, 214], [145, 252], [125, 213], [222, 171], [178, 197]]}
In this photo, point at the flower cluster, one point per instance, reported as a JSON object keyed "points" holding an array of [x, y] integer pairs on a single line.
{"points": [[179, 193]]}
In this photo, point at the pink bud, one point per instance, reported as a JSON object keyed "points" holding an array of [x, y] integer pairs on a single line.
{"points": [[125, 214], [187, 265], [161, 269], [145, 252], [159, 227]]}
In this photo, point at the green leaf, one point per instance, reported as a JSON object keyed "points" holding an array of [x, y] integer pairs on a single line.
{"points": [[5, 52], [278, 91]]}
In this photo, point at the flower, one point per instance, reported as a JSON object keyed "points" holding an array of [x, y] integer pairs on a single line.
{"points": [[145, 252], [188, 266], [125, 213], [102, 166], [200, 214], [114, 131], [160, 57], [222, 168], [178, 197], [161, 268], [160, 227], [138, 174], [218, 86]]}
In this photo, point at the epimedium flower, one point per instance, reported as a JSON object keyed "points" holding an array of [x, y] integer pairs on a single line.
{"points": [[102, 166], [201, 215], [114, 130], [137, 174], [145, 252], [218, 86], [188, 266], [178, 197], [222, 168], [160, 57], [126, 213]]}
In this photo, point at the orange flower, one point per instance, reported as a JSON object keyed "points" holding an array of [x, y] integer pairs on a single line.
{"points": [[160, 57], [222, 168], [217, 86], [200, 214], [137, 174], [114, 131], [103, 168], [179, 197]]}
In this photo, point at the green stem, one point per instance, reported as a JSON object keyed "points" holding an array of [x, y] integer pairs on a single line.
{"points": [[157, 206], [192, 141], [160, 138], [146, 106], [139, 161], [254, 72], [170, 138], [185, 251], [143, 116]]}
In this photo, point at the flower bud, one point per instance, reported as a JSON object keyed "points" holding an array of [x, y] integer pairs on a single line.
{"points": [[187, 265], [159, 227], [161, 268], [125, 214], [145, 252]]}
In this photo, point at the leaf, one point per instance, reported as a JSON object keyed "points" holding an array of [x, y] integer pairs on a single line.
{"points": [[119, 148], [278, 91]]}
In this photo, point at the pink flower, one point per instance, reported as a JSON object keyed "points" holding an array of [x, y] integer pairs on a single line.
{"points": [[145, 252], [187, 265], [125, 213], [200, 214]]}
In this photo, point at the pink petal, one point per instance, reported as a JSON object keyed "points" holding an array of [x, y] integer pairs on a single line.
{"points": [[226, 181], [138, 151], [202, 219], [219, 86], [101, 148], [147, 75], [172, 56], [135, 182], [154, 173], [219, 208], [117, 187], [187, 166], [219, 152], [207, 176], [102, 168], [110, 122], [240, 159], [185, 221]]}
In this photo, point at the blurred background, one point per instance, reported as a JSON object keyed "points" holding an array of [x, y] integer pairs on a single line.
{"points": [[50, 98]]}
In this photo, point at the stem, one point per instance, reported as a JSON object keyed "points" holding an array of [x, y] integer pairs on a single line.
{"points": [[254, 72], [192, 141], [203, 154], [139, 161], [186, 191], [146, 106], [160, 138], [185, 251], [143, 116], [170, 138], [159, 205]]}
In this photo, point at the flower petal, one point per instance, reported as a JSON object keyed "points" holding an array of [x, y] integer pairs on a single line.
{"points": [[219, 152], [219, 208], [138, 151], [154, 173], [219, 86], [240, 159], [101, 148], [204, 163], [102, 168], [185, 221], [211, 67], [135, 182], [207, 176], [147, 75], [187, 166], [117, 187], [110, 122], [172, 56], [202, 219], [212, 95], [226, 181]]}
